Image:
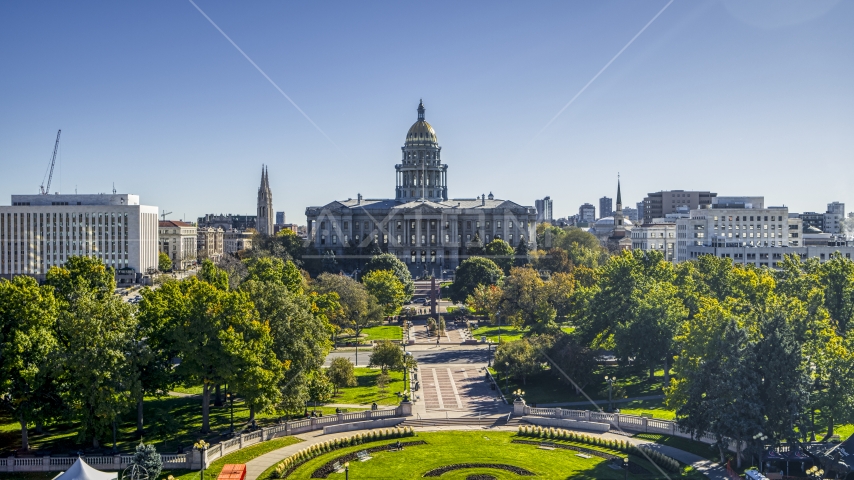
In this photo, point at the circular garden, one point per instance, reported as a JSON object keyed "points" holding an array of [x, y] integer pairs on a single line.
{"points": [[476, 455]]}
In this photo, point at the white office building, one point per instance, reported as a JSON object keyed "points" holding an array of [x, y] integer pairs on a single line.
{"points": [[658, 235], [178, 241], [834, 217], [41, 231]]}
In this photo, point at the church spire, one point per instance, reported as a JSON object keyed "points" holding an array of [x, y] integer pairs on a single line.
{"points": [[619, 197]]}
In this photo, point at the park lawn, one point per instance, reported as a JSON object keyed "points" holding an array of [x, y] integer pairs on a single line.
{"points": [[509, 333], [190, 390], [447, 448], [367, 392], [383, 332], [544, 387], [170, 422], [637, 407], [240, 456]]}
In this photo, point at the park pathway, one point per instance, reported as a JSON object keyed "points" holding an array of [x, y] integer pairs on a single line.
{"points": [[257, 466]]}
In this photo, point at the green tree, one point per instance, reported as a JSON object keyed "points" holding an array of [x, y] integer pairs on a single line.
{"points": [[837, 276], [525, 300], [359, 309], [164, 263], [472, 272], [341, 373], [577, 361], [648, 334], [784, 381], [97, 382], [517, 359], [146, 456], [555, 260], [81, 276], [387, 355], [388, 261], [387, 289], [501, 253], [522, 254], [475, 247], [319, 388], [213, 275], [299, 328], [28, 315]]}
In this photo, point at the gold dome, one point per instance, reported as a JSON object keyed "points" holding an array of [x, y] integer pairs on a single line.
{"points": [[421, 132]]}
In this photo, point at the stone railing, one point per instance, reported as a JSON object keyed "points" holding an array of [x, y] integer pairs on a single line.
{"points": [[631, 423], [195, 459]]}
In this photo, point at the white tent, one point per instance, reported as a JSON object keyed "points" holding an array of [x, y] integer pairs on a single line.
{"points": [[82, 471]]}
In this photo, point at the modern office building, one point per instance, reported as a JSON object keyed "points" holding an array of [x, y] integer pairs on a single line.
{"points": [[178, 241], [640, 209], [606, 207], [833, 217], [421, 225], [812, 219], [749, 235], [544, 210], [280, 218], [41, 231], [586, 213], [659, 204], [631, 214]]}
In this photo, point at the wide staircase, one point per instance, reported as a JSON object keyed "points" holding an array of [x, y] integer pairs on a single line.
{"points": [[492, 421]]}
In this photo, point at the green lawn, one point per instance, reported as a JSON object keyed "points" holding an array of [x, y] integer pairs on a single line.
{"points": [[654, 407], [383, 332], [240, 456], [545, 387], [367, 391], [449, 448], [170, 422], [509, 333]]}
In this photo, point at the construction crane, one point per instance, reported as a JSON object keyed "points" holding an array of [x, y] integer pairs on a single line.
{"points": [[164, 215], [46, 190]]}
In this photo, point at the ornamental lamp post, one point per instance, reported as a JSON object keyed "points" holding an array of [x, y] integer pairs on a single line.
{"points": [[625, 466], [229, 396], [815, 472], [202, 446], [610, 381], [346, 470]]}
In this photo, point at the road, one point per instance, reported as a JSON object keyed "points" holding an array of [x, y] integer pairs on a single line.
{"points": [[444, 354]]}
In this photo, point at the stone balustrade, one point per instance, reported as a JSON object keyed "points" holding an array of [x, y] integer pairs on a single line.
{"points": [[196, 459]]}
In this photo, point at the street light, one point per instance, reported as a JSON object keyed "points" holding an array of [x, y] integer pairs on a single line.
{"points": [[230, 397], [202, 446], [346, 470], [610, 381], [518, 394], [815, 472], [761, 437], [406, 357], [625, 466]]}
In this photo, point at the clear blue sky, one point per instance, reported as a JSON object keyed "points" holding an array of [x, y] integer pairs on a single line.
{"points": [[739, 98]]}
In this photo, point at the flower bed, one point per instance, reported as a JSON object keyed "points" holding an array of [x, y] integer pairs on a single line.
{"points": [[660, 459], [436, 472]]}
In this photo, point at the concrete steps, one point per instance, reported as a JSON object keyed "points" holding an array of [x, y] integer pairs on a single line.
{"points": [[463, 422]]}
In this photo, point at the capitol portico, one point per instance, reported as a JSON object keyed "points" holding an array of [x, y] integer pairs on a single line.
{"points": [[421, 225]]}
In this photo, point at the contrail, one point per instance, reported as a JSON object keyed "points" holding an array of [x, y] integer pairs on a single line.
{"points": [[262, 73], [602, 70]]}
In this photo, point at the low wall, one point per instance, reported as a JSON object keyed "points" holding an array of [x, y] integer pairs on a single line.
{"points": [[195, 459], [630, 423], [569, 424], [349, 427]]}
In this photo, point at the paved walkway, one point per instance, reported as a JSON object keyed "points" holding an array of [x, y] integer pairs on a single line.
{"points": [[257, 466], [456, 387]]}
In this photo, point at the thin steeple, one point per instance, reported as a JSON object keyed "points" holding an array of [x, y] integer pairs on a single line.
{"points": [[619, 197]]}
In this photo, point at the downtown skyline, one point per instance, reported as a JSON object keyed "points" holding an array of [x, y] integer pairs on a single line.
{"points": [[710, 96]]}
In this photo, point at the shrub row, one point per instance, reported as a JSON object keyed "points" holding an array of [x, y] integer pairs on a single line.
{"points": [[286, 466], [551, 433]]}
